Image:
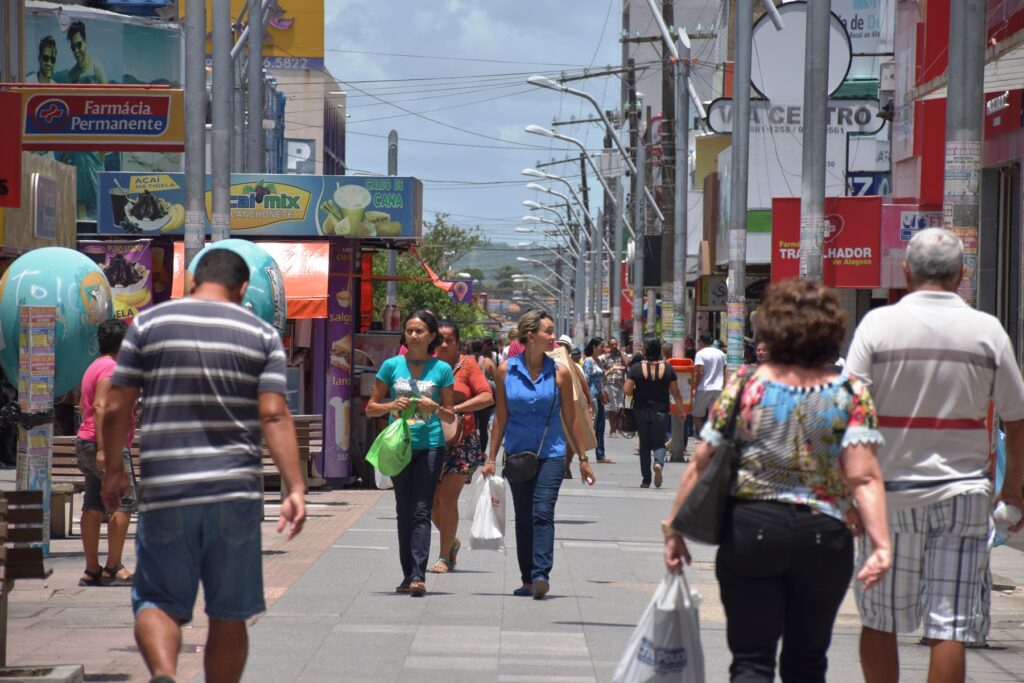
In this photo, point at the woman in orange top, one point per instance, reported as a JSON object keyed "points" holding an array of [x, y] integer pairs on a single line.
{"points": [[472, 393]]}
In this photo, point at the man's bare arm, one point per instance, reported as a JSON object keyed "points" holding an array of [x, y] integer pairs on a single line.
{"points": [[279, 433]]}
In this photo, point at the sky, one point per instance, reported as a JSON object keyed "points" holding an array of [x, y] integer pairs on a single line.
{"points": [[462, 66]]}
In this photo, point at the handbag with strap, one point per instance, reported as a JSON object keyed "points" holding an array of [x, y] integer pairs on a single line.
{"points": [[523, 466], [453, 430], [701, 517]]}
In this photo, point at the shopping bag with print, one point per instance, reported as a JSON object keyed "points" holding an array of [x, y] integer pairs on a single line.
{"points": [[392, 449], [488, 529], [665, 647]]}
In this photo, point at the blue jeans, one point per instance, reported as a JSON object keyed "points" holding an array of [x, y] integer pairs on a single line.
{"points": [[651, 427], [599, 428], [534, 502], [215, 543], [414, 498]]}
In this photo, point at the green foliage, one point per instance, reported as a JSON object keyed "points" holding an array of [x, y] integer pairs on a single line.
{"points": [[443, 243], [504, 277]]}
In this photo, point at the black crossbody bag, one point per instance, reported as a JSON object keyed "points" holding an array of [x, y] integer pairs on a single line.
{"points": [[523, 466]]}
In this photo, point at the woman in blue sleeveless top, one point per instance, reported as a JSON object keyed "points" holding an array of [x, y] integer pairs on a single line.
{"points": [[533, 400]]}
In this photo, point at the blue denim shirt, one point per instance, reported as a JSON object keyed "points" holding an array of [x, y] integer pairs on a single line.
{"points": [[528, 406]]}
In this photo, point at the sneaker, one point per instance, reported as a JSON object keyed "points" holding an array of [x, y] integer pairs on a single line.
{"points": [[540, 589], [645, 484], [657, 475]]}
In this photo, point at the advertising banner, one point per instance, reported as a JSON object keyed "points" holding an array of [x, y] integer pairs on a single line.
{"points": [[462, 291], [294, 33], [900, 222], [268, 205], [79, 45], [852, 240], [108, 119], [129, 267], [337, 448], [10, 152]]}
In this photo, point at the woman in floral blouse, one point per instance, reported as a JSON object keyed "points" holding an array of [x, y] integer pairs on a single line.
{"points": [[807, 476]]}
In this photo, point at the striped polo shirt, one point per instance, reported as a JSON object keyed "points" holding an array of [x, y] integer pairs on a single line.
{"points": [[201, 366], [934, 364]]}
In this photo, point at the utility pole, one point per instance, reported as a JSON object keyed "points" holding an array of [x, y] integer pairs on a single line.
{"points": [[652, 292], [737, 280], [391, 298], [669, 164], [579, 293], [640, 228], [585, 196], [609, 215], [616, 264], [256, 156], [815, 118], [964, 102], [681, 202], [238, 98], [220, 142], [195, 128]]}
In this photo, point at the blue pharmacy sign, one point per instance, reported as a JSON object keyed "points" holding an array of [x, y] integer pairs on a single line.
{"points": [[268, 205]]}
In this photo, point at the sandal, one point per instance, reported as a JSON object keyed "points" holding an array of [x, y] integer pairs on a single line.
{"points": [[114, 579], [95, 578], [440, 567], [454, 552]]}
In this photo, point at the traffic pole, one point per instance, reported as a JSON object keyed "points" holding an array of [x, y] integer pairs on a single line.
{"points": [[616, 263], [256, 137], [391, 298], [195, 128], [682, 200], [737, 280], [815, 120], [640, 229], [220, 134], [964, 105]]}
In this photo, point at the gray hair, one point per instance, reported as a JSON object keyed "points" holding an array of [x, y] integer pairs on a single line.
{"points": [[935, 255]]}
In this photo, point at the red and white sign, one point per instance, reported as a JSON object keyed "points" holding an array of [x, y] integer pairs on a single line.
{"points": [[852, 240], [10, 152], [1002, 113]]}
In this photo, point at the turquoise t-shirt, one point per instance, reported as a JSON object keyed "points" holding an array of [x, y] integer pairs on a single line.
{"points": [[436, 375]]}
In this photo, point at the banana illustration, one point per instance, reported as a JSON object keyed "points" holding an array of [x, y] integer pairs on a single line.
{"points": [[177, 212], [132, 299]]}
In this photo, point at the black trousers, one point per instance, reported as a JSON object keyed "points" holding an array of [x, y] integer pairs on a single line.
{"points": [[782, 571], [414, 500]]}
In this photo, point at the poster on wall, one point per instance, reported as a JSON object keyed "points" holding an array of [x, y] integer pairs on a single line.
{"points": [[129, 267], [337, 450], [82, 46], [900, 222], [267, 205], [852, 240]]}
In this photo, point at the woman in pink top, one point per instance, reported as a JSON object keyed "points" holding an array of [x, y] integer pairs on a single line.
{"points": [[92, 455]]}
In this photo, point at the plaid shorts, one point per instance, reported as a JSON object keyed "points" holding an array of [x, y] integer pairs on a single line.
{"points": [[940, 573], [703, 400]]}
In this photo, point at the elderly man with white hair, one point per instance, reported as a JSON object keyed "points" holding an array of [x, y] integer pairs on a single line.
{"points": [[934, 365]]}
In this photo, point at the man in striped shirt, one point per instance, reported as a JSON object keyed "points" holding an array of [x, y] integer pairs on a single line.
{"points": [[934, 365], [212, 374]]}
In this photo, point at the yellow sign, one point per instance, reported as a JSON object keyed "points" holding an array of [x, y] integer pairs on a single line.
{"points": [[296, 30], [154, 183], [257, 205]]}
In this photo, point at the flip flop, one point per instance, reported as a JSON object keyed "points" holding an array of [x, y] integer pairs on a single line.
{"points": [[440, 567], [454, 552]]}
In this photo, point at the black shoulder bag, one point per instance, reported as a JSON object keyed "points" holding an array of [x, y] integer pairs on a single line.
{"points": [[702, 515], [523, 466]]}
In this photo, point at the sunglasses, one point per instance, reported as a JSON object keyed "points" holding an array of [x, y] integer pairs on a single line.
{"points": [[52, 59]]}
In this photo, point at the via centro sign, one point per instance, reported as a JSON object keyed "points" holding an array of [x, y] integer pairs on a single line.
{"points": [[844, 116]]}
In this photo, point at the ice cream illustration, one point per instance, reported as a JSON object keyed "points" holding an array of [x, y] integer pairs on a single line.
{"points": [[342, 414]]}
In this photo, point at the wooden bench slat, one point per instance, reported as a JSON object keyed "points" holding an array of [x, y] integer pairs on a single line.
{"points": [[17, 571], [23, 498], [25, 516], [24, 555], [25, 535]]}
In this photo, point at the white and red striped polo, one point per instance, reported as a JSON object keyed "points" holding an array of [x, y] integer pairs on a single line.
{"points": [[933, 364]]}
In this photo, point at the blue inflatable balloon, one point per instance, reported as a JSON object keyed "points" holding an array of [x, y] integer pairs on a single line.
{"points": [[75, 285], [265, 295]]}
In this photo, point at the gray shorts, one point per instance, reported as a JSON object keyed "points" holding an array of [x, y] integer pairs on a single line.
{"points": [[703, 400], [85, 452]]}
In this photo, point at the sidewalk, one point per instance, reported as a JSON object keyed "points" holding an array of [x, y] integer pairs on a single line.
{"points": [[333, 614]]}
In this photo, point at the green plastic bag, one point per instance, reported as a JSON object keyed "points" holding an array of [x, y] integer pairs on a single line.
{"points": [[392, 449]]}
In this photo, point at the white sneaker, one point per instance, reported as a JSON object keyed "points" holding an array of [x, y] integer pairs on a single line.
{"points": [[657, 475]]}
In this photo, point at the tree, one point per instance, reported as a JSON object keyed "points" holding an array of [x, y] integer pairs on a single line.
{"points": [[504, 277], [444, 243]]}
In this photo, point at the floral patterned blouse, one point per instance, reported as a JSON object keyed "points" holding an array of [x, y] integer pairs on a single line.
{"points": [[790, 438]]}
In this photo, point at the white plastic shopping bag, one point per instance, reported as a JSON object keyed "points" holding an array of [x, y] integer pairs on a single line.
{"points": [[382, 481], [487, 498], [665, 647]]}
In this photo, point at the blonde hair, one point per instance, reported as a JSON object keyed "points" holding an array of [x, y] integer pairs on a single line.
{"points": [[530, 322]]}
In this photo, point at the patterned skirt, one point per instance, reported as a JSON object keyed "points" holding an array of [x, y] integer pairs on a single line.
{"points": [[464, 458]]}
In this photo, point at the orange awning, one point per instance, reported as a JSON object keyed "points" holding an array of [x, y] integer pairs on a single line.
{"points": [[303, 265]]}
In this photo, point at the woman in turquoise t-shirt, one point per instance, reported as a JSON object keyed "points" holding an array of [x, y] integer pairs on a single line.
{"points": [[416, 376]]}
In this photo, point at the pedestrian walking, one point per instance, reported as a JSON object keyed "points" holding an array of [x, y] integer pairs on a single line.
{"points": [[213, 374], [594, 373], [709, 369], [416, 376], [534, 400], [614, 365], [483, 352], [581, 389], [935, 365], [92, 457], [650, 382], [805, 436], [464, 456]]}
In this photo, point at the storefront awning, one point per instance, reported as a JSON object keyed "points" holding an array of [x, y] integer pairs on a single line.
{"points": [[303, 265]]}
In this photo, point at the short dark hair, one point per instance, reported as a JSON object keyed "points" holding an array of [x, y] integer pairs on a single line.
{"points": [[449, 324], [705, 338], [47, 41], [477, 346], [110, 334], [801, 323], [76, 27], [428, 319], [652, 347], [222, 267], [591, 345], [636, 358]]}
